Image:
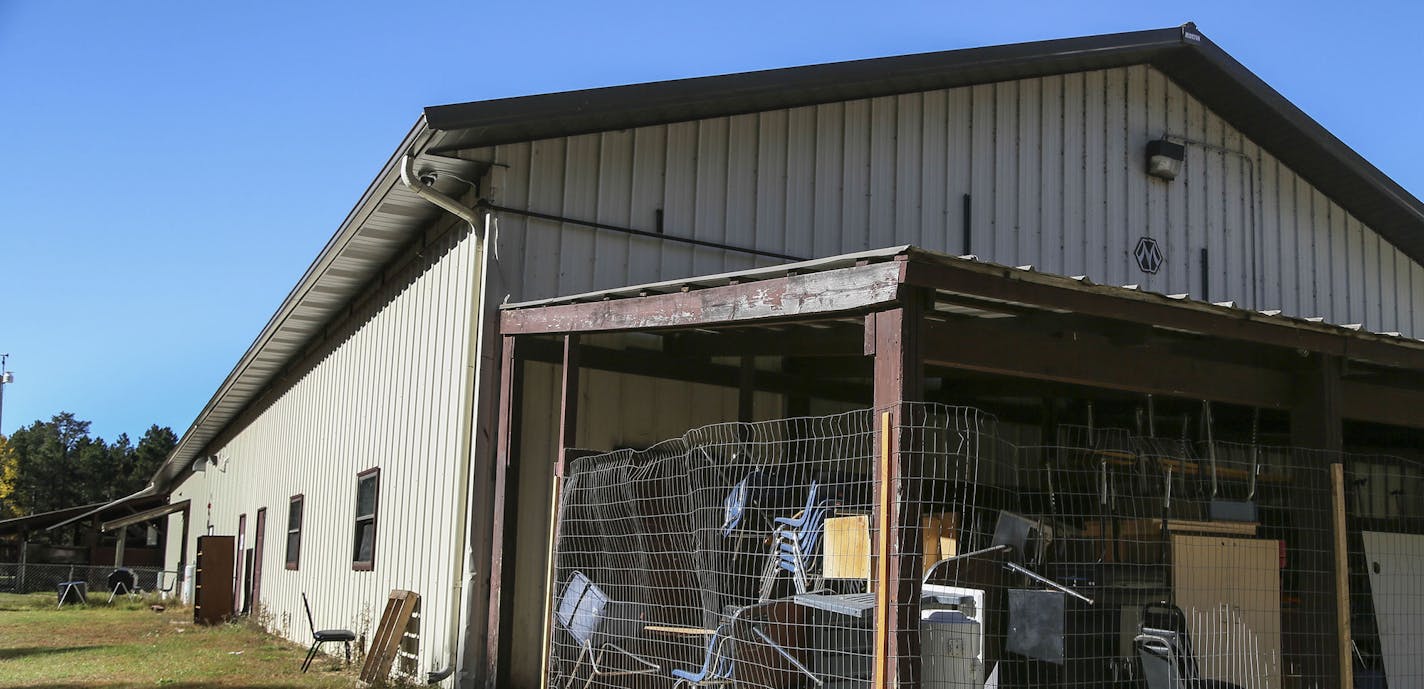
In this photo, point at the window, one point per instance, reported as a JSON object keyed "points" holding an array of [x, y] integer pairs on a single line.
{"points": [[368, 491], [294, 532]]}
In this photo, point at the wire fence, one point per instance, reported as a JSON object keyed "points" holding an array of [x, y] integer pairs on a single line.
{"points": [[746, 554], [28, 577]]}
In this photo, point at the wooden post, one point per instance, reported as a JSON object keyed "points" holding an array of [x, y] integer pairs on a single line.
{"points": [[568, 437], [119, 549], [1316, 423], [893, 338], [503, 521], [1342, 576], [549, 583]]}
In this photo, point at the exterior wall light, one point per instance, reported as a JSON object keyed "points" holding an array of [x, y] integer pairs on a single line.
{"points": [[1164, 158]]}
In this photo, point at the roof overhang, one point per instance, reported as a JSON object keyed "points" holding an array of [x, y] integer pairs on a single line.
{"points": [[145, 516]]}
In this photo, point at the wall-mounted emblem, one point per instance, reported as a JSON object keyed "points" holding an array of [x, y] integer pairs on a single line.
{"points": [[1148, 254]]}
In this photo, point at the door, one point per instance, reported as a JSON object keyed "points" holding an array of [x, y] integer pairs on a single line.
{"points": [[239, 572], [259, 531]]}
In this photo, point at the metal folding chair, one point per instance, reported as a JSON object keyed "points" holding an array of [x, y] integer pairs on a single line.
{"points": [[324, 636], [1164, 647], [581, 612]]}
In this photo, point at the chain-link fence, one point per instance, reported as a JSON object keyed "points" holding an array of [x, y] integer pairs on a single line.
{"points": [[29, 577], [748, 554]]}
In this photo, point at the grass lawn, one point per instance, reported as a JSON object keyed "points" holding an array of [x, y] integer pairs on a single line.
{"points": [[128, 645]]}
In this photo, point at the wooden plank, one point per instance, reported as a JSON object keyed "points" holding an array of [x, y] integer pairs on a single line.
{"points": [[1342, 575], [385, 643], [557, 485], [882, 556], [1230, 591], [833, 291]]}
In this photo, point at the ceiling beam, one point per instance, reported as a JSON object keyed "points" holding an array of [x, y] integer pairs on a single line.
{"points": [[1084, 359], [1065, 295]]}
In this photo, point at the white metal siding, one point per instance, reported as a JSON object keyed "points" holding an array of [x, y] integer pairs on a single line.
{"points": [[386, 396], [1055, 167]]}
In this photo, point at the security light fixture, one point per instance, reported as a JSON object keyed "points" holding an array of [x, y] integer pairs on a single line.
{"points": [[1164, 158]]}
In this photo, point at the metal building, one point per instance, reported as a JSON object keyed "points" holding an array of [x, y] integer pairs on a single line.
{"points": [[356, 446]]}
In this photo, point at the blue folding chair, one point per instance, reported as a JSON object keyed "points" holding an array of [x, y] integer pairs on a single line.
{"points": [[717, 667], [581, 612], [742, 495], [793, 544]]}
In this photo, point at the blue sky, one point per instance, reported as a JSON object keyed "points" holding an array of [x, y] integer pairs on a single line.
{"points": [[171, 168]]}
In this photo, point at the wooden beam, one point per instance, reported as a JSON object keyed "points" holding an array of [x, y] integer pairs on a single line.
{"points": [[655, 364], [893, 337], [1315, 422], [1084, 359], [1384, 404], [505, 511], [1018, 288], [846, 290], [790, 342]]}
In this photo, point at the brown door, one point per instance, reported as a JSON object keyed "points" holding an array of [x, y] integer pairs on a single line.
{"points": [[258, 537]]}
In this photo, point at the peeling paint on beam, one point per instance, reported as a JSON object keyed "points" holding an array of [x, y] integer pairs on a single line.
{"points": [[835, 291]]}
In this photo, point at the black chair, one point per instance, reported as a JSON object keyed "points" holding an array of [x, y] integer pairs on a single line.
{"points": [[1164, 647], [319, 637], [122, 578]]}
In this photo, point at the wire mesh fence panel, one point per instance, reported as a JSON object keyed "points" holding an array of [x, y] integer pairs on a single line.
{"points": [[1386, 561], [1070, 556], [29, 577]]}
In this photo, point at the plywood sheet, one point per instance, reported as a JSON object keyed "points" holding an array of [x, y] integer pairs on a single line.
{"points": [[1230, 591], [1396, 568]]}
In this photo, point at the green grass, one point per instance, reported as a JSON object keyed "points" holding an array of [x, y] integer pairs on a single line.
{"points": [[129, 645]]}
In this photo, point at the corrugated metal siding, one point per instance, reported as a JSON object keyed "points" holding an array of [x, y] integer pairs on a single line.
{"points": [[385, 396], [1054, 167]]}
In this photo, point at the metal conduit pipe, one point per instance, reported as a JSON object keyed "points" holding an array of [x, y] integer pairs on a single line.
{"points": [[478, 220], [418, 186]]}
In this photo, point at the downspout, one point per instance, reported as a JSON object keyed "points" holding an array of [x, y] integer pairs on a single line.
{"points": [[420, 185]]}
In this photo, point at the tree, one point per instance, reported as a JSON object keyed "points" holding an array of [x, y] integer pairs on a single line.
{"points": [[8, 475], [56, 464]]}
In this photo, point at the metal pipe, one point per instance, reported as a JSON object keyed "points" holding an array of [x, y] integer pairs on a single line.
{"points": [[464, 568], [485, 205], [418, 186]]}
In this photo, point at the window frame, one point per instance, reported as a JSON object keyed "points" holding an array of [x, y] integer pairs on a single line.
{"points": [[359, 520], [295, 563]]}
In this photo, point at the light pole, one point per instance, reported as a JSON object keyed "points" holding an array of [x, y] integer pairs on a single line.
{"points": [[5, 379]]}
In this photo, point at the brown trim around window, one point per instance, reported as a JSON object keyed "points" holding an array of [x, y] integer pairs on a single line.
{"points": [[363, 541], [296, 512]]}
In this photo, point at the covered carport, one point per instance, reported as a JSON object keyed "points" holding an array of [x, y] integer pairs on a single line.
{"points": [[890, 328]]}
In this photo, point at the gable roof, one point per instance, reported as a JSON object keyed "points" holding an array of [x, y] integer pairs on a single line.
{"points": [[387, 218], [1182, 53]]}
